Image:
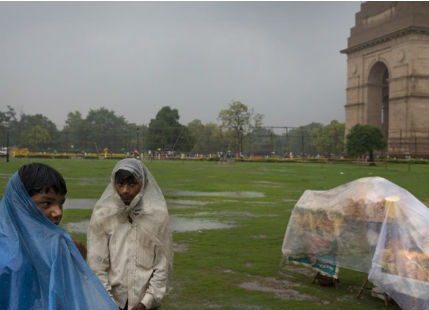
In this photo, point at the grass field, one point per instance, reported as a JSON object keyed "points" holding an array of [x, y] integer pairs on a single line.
{"points": [[238, 267]]}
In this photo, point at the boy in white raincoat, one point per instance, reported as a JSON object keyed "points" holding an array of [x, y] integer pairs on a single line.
{"points": [[129, 238]]}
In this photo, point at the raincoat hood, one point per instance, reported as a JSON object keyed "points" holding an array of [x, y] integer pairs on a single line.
{"points": [[148, 208]]}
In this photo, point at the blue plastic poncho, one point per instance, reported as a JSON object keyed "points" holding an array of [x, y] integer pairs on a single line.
{"points": [[40, 266]]}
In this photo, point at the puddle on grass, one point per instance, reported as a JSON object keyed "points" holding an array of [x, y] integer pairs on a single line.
{"points": [[215, 194], [184, 204], [259, 202], [179, 207], [74, 203], [281, 288], [187, 202], [268, 184], [77, 227], [178, 224], [226, 214], [182, 224], [260, 236], [180, 247], [178, 204], [6, 176], [309, 272]]}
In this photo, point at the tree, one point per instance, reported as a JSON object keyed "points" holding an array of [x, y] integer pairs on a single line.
{"points": [[300, 139], [37, 137], [329, 139], [365, 138], [7, 125], [26, 125], [207, 138], [75, 131], [240, 120], [8, 116], [196, 130], [165, 132], [106, 130], [263, 141]]}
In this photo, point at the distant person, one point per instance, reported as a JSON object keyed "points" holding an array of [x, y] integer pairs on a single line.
{"points": [[40, 265], [129, 238]]}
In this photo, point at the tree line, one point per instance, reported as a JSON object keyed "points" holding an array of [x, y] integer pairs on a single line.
{"points": [[240, 131]]}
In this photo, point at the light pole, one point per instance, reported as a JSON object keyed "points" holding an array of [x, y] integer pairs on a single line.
{"points": [[7, 143], [5, 124], [138, 146]]}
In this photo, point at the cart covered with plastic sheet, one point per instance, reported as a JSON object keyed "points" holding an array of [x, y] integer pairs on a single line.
{"points": [[369, 225]]}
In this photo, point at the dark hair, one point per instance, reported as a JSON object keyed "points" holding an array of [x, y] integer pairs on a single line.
{"points": [[38, 177], [124, 176]]}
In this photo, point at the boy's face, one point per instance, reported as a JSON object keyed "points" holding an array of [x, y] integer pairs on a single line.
{"points": [[127, 189], [51, 204]]}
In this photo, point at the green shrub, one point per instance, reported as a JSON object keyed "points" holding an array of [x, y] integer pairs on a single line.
{"points": [[40, 155], [403, 161]]}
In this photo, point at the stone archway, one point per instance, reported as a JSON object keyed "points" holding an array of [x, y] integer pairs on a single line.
{"points": [[378, 97], [388, 74]]}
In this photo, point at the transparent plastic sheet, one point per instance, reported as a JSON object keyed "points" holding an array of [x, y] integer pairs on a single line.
{"points": [[400, 265], [352, 226], [40, 266]]}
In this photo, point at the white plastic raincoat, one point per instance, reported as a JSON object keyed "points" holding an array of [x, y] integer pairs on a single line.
{"points": [[132, 260]]}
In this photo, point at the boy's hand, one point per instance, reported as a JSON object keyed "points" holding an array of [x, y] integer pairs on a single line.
{"points": [[82, 249], [139, 306]]}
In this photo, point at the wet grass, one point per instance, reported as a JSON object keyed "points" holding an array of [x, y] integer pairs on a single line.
{"points": [[211, 272]]}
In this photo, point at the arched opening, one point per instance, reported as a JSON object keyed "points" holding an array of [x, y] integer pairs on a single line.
{"points": [[378, 97]]}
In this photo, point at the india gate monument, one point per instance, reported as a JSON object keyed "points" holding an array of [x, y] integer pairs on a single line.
{"points": [[388, 74]]}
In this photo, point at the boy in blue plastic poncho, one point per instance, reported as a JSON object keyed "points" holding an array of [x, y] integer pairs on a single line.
{"points": [[40, 265], [47, 188]]}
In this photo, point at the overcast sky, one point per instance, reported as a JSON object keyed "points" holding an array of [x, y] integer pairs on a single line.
{"points": [[280, 58]]}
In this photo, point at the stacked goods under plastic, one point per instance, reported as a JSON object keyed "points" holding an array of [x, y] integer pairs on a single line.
{"points": [[369, 225], [400, 265], [408, 264]]}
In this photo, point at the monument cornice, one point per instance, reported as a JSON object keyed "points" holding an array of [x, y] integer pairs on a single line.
{"points": [[386, 38], [394, 79], [412, 96], [350, 105]]}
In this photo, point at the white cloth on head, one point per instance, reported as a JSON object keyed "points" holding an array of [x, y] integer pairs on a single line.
{"points": [[133, 260]]}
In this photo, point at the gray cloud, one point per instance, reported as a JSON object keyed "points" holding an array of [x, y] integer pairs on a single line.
{"points": [[280, 58]]}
